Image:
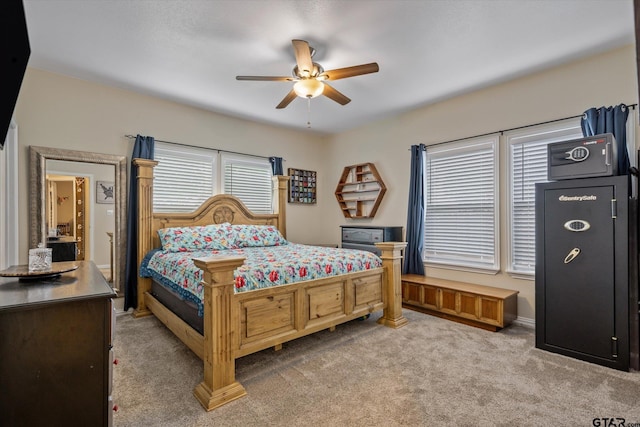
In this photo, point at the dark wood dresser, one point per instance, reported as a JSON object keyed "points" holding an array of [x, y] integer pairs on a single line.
{"points": [[56, 356]]}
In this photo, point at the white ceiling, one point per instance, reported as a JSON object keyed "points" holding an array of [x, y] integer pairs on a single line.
{"points": [[190, 51]]}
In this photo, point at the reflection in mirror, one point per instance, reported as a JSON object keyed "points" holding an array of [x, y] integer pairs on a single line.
{"points": [[79, 218], [77, 206]]}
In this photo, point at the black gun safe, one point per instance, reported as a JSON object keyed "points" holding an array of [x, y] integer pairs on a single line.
{"points": [[586, 285]]}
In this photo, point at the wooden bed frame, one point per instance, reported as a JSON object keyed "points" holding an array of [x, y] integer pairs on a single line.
{"points": [[239, 324]]}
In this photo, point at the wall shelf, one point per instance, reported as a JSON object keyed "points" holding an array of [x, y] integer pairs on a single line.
{"points": [[360, 191]]}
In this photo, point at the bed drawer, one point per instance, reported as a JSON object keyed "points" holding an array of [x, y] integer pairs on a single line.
{"points": [[368, 291], [325, 301], [266, 316]]}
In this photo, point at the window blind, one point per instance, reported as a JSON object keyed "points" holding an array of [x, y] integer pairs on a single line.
{"points": [[461, 204], [528, 166], [249, 179], [184, 178]]}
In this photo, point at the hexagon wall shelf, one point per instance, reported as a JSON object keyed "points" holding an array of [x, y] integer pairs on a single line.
{"points": [[360, 191]]}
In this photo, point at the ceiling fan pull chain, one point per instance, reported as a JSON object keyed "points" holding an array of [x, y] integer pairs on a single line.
{"points": [[309, 112]]}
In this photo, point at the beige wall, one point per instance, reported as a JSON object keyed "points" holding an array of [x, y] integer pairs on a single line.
{"points": [[62, 112], [606, 79]]}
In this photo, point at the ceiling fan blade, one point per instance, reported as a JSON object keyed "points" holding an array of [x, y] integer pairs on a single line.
{"points": [[266, 78], [287, 99], [303, 57], [332, 93], [357, 70]]}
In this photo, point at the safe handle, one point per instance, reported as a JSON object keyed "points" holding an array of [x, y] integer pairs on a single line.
{"points": [[573, 253]]}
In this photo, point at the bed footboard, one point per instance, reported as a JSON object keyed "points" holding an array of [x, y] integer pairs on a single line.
{"points": [[219, 385], [391, 261], [239, 324]]}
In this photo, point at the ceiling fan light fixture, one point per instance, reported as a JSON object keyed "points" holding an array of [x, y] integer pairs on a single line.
{"points": [[308, 88], [309, 77]]}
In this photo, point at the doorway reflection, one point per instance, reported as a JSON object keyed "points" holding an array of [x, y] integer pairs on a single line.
{"points": [[79, 219]]}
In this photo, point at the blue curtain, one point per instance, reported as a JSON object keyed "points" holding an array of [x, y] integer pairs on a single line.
{"points": [[415, 214], [142, 149], [609, 120], [276, 165]]}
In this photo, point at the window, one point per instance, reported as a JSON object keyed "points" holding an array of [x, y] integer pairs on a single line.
{"points": [[187, 176], [184, 178], [461, 196], [527, 166], [249, 179]]}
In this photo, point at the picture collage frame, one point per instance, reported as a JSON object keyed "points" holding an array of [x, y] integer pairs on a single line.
{"points": [[302, 186]]}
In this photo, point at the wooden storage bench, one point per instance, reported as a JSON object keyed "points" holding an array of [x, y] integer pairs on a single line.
{"points": [[482, 306]]}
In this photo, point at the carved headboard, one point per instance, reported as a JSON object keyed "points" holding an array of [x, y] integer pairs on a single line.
{"points": [[215, 210]]}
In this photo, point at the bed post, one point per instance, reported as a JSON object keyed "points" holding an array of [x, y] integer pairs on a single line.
{"points": [[145, 219], [220, 335], [280, 202], [391, 258]]}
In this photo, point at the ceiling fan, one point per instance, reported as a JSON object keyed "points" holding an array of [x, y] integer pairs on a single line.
{"points": [[311, 78]]}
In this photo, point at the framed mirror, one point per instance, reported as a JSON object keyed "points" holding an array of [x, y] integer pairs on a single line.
{"points": [[40, 231]]}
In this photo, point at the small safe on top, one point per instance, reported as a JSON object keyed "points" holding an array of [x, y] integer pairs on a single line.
{"points": [[586, 157]]}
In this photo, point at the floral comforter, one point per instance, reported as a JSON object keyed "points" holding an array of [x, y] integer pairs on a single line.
{"points": [[264, 267]]}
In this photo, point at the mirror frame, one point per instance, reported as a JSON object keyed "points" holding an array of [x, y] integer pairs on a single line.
{"points": [[37, 190]]}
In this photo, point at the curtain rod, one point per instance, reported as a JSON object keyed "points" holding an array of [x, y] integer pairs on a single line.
{"points": [[204, 148], [501, 132]]}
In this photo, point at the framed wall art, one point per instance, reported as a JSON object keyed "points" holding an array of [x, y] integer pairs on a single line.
{"points": [[105, 192], [302, 186]]}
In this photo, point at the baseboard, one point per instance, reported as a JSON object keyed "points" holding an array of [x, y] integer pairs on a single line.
{"points": [[104, 267], [525, 322]]}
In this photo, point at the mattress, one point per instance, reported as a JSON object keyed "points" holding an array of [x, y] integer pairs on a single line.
{"points": [[186, 310]]}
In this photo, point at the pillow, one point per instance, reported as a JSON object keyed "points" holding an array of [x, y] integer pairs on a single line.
{"points": [[258, 235], [197, 238]]}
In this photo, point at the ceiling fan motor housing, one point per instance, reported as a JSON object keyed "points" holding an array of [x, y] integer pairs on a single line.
{"points": [[317, 71]]}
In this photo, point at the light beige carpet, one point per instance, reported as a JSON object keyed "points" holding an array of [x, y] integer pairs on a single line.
{"points": [[432, 372]]}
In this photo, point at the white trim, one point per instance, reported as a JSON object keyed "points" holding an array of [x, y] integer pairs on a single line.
{"points": [[460, 267], [520, 275], [525, 322], [9, 199]]}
